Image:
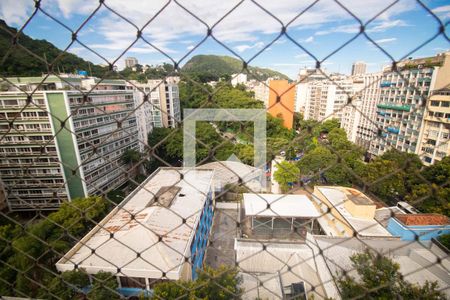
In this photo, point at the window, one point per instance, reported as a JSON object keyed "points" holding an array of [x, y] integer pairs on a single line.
{"points": [[434, 103]]}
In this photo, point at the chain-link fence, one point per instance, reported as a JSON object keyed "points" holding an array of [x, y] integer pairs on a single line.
{"points": [[99, 201]]}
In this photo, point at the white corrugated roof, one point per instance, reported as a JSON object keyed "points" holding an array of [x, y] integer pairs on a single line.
{"points": [[298, 206], [367, 227], [141, 233], [292, 262], [229, 172]]}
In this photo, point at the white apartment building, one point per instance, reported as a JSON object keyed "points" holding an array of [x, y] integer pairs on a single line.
{"points": [[240, 78], [403, 106], [359, 118], [325, 98], [162, 108], [435, 139], [130, 62], [359, 68], [66, 144]]}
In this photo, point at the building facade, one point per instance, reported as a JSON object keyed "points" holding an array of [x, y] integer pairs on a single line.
{"points": [[326, 98], [359, 68], [281, 101], [403, 101], [62, 144], [435, 139], [412, 227], [162, 108], [130, 62], [358, 119]]}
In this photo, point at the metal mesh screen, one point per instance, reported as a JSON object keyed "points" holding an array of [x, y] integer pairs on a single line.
{"points": [[99, 206]]}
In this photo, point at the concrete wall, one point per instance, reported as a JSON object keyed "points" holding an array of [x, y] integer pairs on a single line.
{"points": [[409, 233], [285, 108], [360, 211], [200, 240], [339, 219]]}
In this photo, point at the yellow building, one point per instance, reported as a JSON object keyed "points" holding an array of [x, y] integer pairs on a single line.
{"points": [[346, 212]]}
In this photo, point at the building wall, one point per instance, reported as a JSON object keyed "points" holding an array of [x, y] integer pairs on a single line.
{"points": [[200, 241], [339, 219], [435, 138], [106, 123], [29, 162], [360, 211], [285, 108], [42, 154], [409, 233], [403, 97]]}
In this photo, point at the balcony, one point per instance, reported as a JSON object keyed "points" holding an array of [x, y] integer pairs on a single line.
{"points": [[394, 107]]}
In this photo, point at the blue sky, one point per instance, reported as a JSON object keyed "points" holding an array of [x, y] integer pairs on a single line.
{"points": [[246, 30]]}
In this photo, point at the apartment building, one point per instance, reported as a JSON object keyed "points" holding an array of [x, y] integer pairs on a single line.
{"points": [[435, 139], [358, 119], [359, 68], [240, 78], [162, 108], [130, 62], [403, 103], [325, 98], [62, 144], [281, 101]]}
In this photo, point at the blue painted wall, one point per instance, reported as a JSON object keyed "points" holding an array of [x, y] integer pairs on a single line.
{"points": [[200, 240], [409, 233]]}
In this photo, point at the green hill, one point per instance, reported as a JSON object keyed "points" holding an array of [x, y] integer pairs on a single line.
{"points": [[20, 63], [212, 67]]}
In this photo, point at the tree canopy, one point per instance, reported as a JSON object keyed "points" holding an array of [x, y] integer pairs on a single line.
{"points": [[379, 278]]}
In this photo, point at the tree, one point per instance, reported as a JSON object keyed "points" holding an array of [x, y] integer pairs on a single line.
{"points": [[104, 287], [445, 240], [67, 286], [133, 158], [172, 290], [379, 278], [316, 161], [286, 174], [34, 249], [221, 284]]}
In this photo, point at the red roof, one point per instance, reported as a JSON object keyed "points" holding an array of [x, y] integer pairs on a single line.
{"points": [[422, 219]]}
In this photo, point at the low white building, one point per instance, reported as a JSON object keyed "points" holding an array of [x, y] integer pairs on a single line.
{"points": [[240, 78], [269, 207], [159, 232]]}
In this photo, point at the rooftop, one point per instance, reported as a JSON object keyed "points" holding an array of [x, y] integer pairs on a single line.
{"points": [[365, 227], [423, 219], [229, 172], [279, 265], [141, 233], [287, 206]]}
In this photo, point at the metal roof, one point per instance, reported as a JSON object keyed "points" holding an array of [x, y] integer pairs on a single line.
{"points": [[273, 205], [141, 233]]}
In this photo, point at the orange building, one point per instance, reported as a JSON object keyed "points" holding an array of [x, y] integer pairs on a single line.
{"points": [[281, 101]]}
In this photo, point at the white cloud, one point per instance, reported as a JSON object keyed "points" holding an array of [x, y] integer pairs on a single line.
{"points": [[242, 48], [384, 41], [385, 25], [442, 11], [309, 40], [15, 12], [351, 28], [302, 55], [190, 47]]}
